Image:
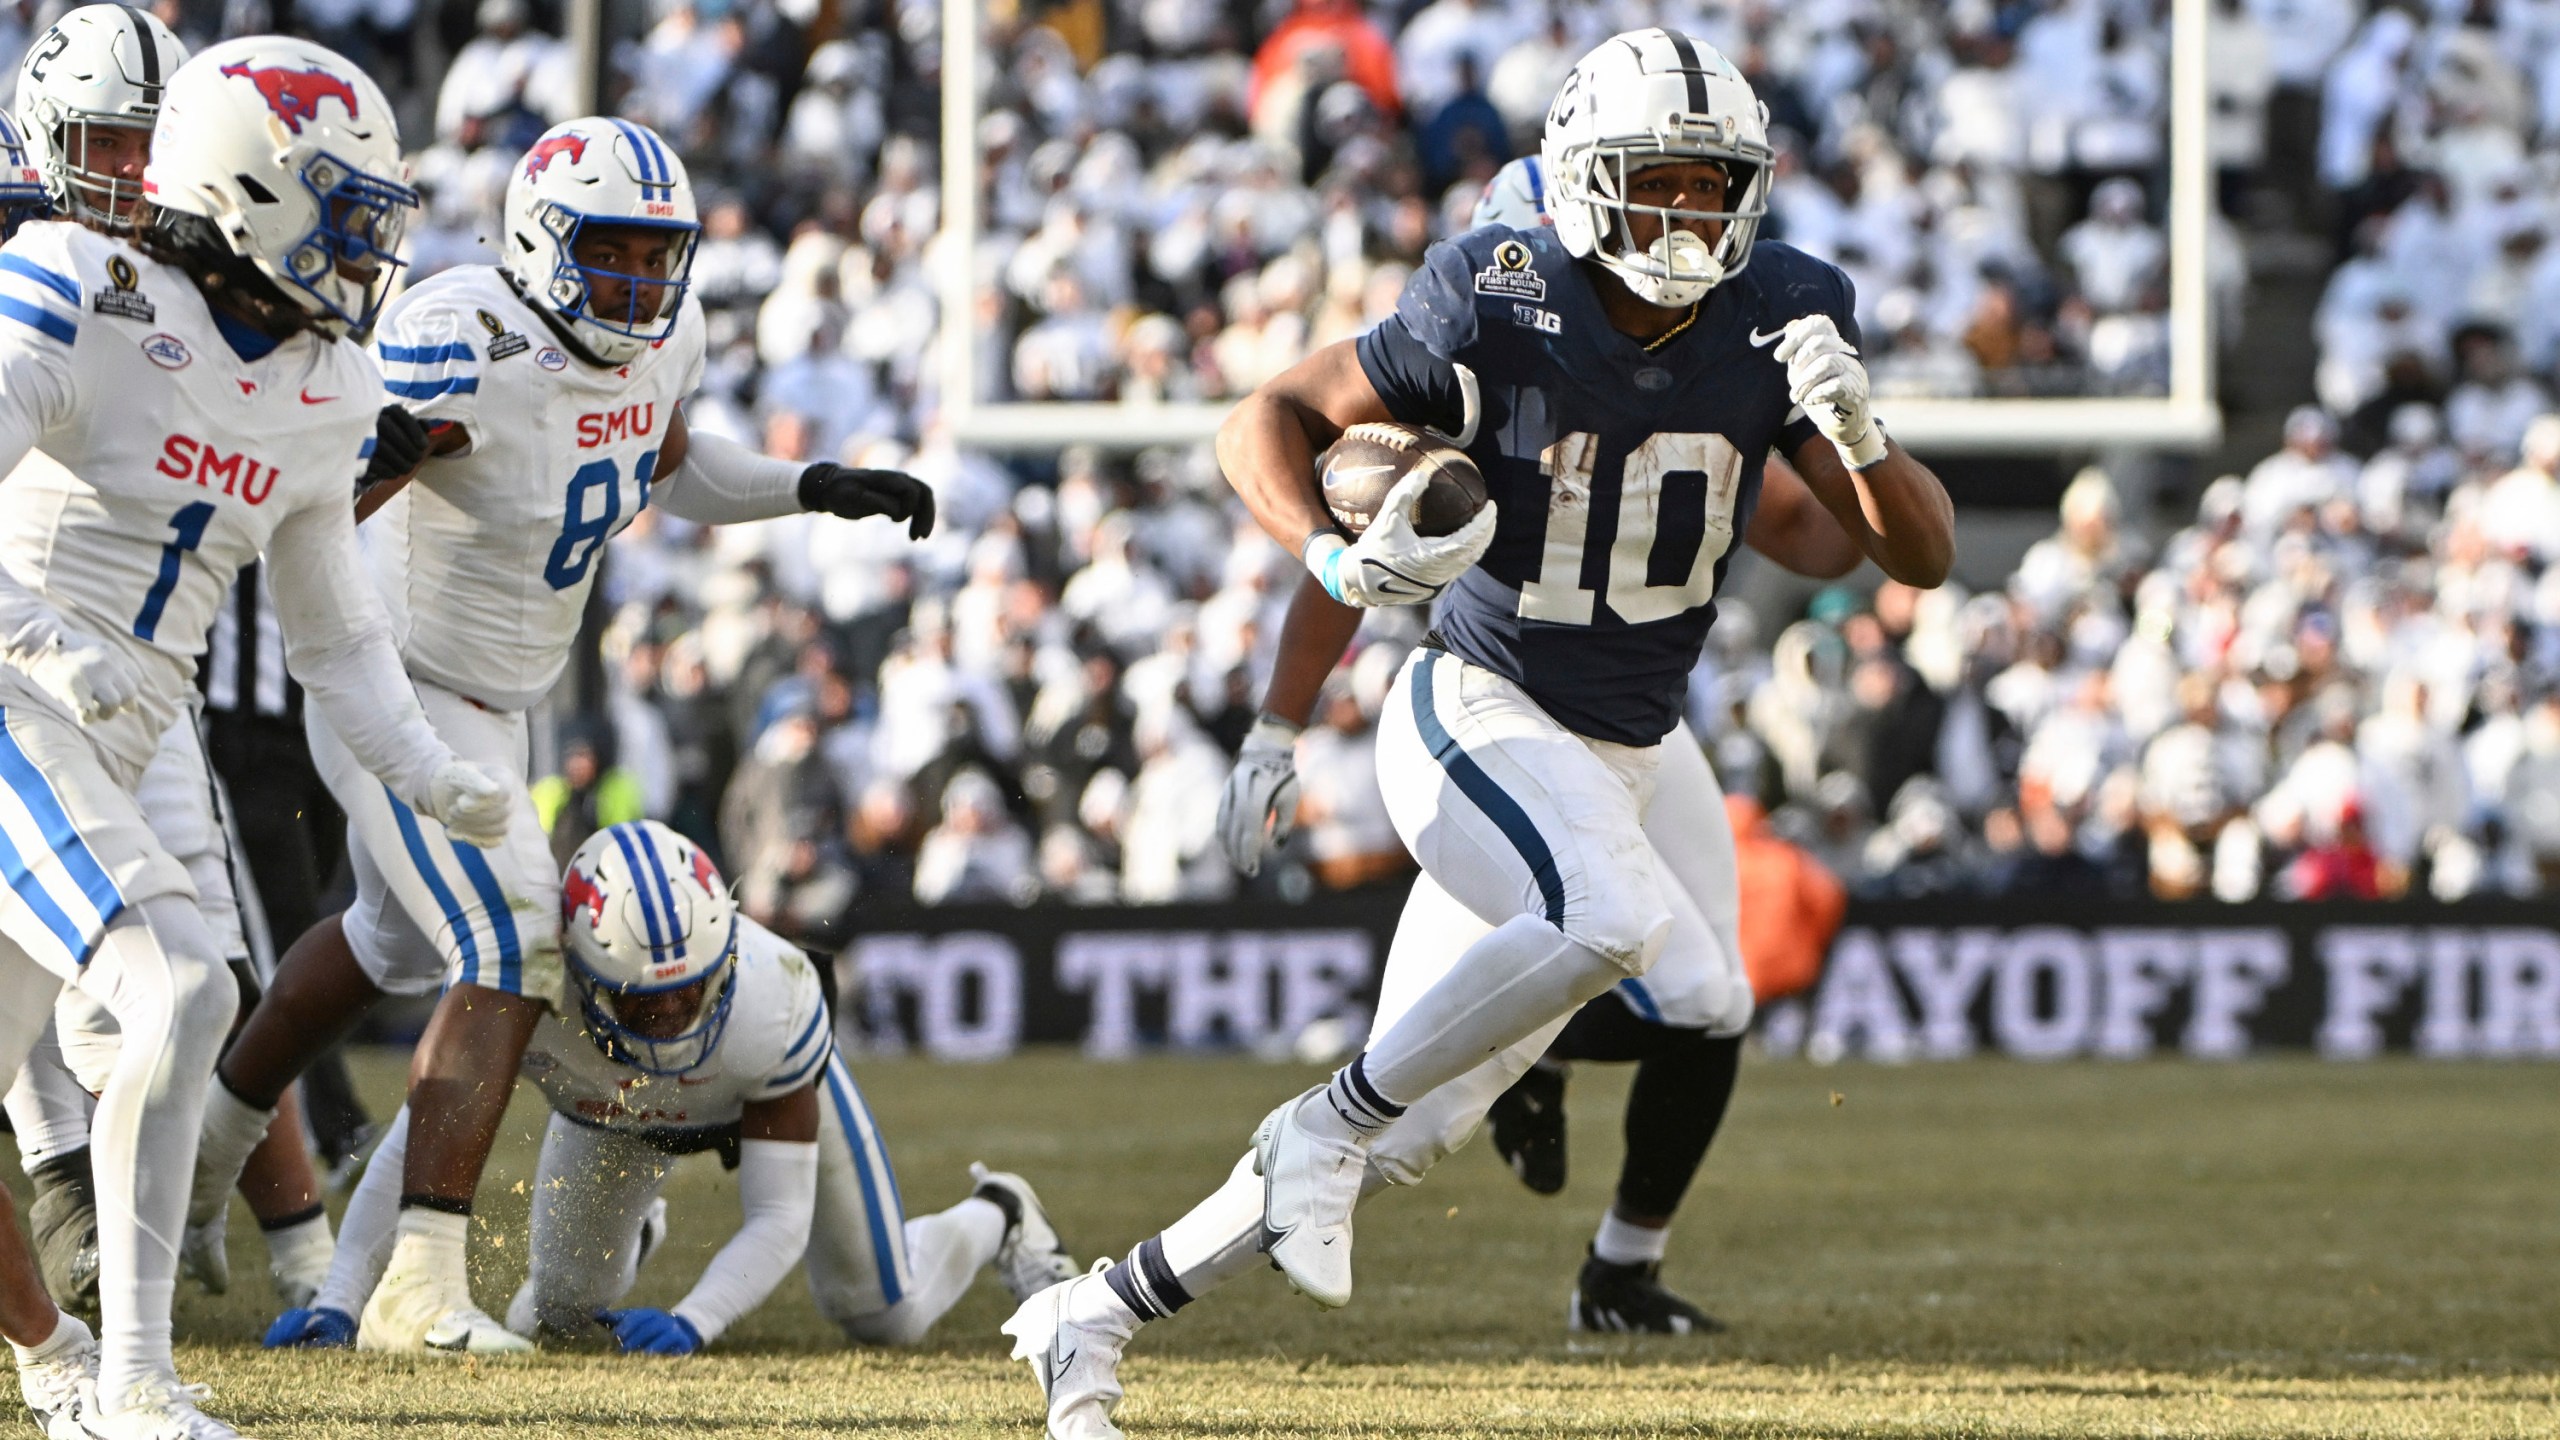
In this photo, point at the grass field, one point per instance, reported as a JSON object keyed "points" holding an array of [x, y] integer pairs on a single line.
{"points": [[2280, 1249]]}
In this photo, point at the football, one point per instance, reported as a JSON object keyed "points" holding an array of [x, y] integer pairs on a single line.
{"points": [[1360, 468]]}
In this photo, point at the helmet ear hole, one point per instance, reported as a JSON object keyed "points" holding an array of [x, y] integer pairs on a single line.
{"points": [[250, 187]]}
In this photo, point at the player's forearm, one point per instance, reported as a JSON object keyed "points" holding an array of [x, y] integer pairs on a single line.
{"points": [[338, 644], [778, 1191], [1911, 522], [1318, 629], [1268, 455], [721, 482]]}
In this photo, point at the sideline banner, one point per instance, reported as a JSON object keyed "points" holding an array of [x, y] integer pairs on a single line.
{"points": [[1905, 981]]}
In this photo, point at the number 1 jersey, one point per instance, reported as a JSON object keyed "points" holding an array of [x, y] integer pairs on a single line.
{"points": [[1624, 477], [486, 558]]}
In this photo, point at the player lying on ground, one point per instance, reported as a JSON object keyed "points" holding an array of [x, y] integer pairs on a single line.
{"points": [[1686, 1059], [211, 416], [88, 92], [545, 395], [1616, 379], [699, 1030]]}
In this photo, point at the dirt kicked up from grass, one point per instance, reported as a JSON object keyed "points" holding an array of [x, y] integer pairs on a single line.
{"points": [[2278, 1248]]}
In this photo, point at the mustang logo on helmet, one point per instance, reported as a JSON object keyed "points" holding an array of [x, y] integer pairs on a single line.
{"points": [[295, 95], [538, 159], [703, 872], [578, 891]]}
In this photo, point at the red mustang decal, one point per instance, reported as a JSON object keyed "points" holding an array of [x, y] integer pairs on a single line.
{"points": [[579, 892], [538, 159], [295, 95], [703, 872]]}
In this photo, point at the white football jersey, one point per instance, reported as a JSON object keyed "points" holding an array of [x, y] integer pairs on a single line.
{"points": [[162, 461], [777, 1041], [486, 558]]}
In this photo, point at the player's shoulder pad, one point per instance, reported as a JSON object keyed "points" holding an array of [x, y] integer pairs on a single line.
{"points": [[1471, 285], [805, 1038], [434, 340], [1791, 283], [46, 271]]}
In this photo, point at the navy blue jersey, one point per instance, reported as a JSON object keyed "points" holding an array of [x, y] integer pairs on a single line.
{"points": [[1625, 478]]}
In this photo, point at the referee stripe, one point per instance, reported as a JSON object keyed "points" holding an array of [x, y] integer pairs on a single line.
{"points": [[1487, 795]]}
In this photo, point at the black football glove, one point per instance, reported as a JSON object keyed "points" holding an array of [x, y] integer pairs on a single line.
{"points": [[852, 494], [399, 446]]}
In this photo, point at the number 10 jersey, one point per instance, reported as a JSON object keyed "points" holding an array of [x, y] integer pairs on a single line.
{"points": [[486, 558], [1624, 476]]}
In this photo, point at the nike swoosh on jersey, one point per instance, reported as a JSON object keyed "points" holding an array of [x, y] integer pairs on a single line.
{"points": [[310, 399], [1760, 341]]}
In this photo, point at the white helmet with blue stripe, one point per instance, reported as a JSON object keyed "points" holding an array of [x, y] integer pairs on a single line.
{"points": [[651, 934], [1516, 196], [599, 171], [22, 189]]}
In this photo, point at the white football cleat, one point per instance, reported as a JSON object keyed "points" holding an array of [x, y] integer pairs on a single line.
{"points": [[204, 1255], [161, 1409], [411, 1312], [1032, 1257], [1077, 1365], [653, 1230], [63, 1391], [1310, 1184]]}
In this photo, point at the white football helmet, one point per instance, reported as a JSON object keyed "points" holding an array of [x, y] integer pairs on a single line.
{"points": [[1516, 196], [599, 171], [292, 154], [1645, 98], [22, 190], [100, 65], [643, 914]]}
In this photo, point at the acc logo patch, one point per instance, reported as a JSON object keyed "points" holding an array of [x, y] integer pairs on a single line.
{"points": [[1509, 274], [502, 341], [168, 351], [124, 300], [550, 359]]}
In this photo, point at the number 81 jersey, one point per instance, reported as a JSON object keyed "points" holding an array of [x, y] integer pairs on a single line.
{"points": [[1624, 477], [486, 558]]}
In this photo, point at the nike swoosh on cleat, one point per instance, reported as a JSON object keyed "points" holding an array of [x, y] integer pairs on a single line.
{"points": [[1761, 342]]}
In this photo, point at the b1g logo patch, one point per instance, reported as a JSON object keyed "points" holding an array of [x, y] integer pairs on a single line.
{"points": [[1509, 274], [124, 299], [1545, 322], [168, 351]]}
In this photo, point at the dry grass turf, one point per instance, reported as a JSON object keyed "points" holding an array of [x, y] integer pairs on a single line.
{"points": [[2281, 1248]]}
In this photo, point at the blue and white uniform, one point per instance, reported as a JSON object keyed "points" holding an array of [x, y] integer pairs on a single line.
{"points": [[615, 1135], [484, 563], [1520, 751]]}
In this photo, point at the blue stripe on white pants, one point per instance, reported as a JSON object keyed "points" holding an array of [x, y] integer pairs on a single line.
{"points": [[1483, 791], [422, 858], [881, 1208]]}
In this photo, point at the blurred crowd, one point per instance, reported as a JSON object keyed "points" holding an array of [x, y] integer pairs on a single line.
{"points": [[2342, 678]]}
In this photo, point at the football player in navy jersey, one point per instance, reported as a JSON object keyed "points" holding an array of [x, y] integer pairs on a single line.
{"points": [[1617, 377], [1687, 1050]]}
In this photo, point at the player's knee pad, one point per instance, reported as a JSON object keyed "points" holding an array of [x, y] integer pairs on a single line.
{"points": [[1621, 916], [158, 973]]}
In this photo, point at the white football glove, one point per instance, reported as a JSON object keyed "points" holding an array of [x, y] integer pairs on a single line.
{"points": [[1262, 791], [470, 802], [1824, 376], [1391, 563], [92, 680]]}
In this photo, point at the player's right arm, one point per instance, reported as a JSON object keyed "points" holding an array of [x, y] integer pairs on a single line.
{"points": [[39, 325], [1403, 370], [338, 644]]}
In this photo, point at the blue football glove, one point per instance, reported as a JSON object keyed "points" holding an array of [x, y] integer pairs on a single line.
{"points": [[312, 1328], [651, 1332]]}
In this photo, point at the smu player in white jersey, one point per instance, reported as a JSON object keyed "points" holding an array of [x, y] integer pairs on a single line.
{"points": [[165, 443], [88, 92], [1682, 1023], [699, 1030], [1618, 380], [548, 390]]}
